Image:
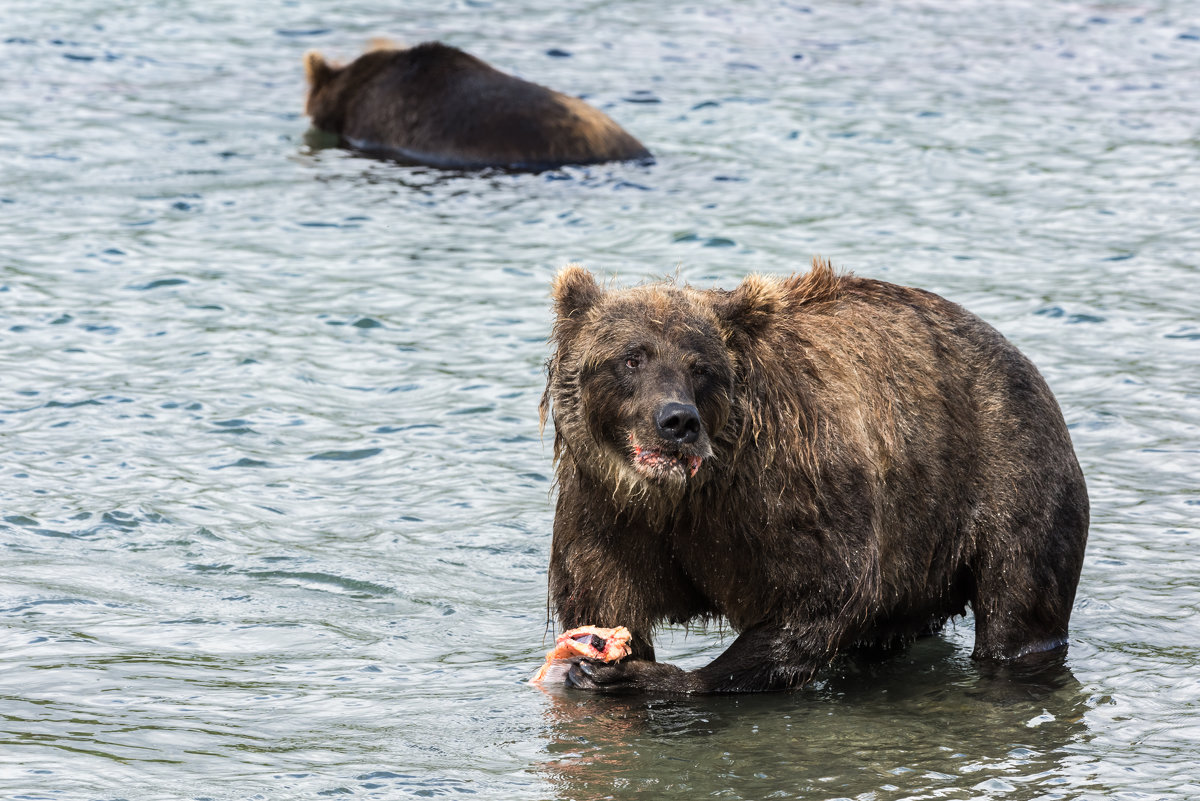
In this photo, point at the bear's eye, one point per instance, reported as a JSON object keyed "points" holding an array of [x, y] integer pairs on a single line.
{"points": [[633, 362], [701, 371]]}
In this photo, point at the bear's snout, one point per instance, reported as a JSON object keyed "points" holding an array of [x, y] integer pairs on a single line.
{"points": [[678, 422]]}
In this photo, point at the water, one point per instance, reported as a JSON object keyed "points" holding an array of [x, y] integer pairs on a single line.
{"points": [[274, 508]]}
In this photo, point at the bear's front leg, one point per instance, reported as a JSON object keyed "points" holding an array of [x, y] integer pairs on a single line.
{"points": [[630, 676], [763, 658]]}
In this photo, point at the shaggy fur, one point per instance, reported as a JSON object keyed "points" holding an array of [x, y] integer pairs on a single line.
{"points": [[871, 459], [436, 105]]}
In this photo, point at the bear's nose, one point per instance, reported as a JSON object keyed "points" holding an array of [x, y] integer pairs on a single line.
{"points": [[678, 422]]}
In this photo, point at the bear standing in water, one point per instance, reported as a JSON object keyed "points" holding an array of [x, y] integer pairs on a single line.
{"points": [[825, 461], [436, 105]]}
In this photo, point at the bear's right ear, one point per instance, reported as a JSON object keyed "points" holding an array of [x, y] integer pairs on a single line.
{"points": [[383, 43], [748, 310], [575, 291]]}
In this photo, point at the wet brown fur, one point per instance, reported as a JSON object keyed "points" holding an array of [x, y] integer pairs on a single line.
{"points": [[880, 459], [434, 104]]}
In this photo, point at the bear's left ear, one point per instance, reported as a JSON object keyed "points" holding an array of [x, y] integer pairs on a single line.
{"points": [[749, 309], [317, 70], [575, 291]]}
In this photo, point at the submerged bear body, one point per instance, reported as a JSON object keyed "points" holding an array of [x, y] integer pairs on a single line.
{"points": [[436, 105], [827, 462]]}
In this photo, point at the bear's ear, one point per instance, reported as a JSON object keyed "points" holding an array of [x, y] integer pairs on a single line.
{"points": [[383, 43], [575, 291], [316, 69], [748, 310]]}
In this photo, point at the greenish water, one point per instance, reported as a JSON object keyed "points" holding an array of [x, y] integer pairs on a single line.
{"points": [[274, 509]]}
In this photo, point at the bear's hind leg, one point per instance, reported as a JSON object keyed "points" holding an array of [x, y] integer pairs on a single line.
{"points": [[1025, 580]]}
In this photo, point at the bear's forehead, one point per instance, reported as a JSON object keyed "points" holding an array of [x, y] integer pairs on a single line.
{"points": [[656, 318], [656, 307]]}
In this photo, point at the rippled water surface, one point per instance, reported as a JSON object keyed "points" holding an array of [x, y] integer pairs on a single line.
{"points": [[274, 508]]}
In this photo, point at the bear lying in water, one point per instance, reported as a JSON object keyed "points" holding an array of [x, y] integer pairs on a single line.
{"points": [[825, 461], [436, 105]]}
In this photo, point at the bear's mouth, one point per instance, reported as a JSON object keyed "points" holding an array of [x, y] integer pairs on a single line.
{"points": [[658, 462]]}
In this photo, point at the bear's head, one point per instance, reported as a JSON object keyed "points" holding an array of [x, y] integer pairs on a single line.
{"points": [[333, 88], [319, 103], [643, 380]]}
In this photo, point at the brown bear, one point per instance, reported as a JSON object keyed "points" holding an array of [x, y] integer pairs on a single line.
{"points": [[436, 105], [829, 463]]}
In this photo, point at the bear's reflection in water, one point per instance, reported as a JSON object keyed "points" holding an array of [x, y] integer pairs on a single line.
{"points": [[924, 719]]}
